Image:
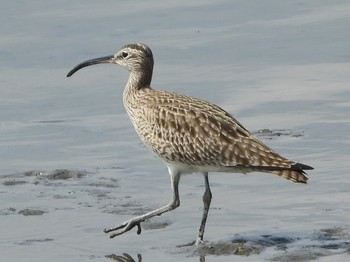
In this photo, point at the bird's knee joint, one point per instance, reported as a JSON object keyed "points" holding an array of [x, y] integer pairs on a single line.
{"points": [[175, 204]]}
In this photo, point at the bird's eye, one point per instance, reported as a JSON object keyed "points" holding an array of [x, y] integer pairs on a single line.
{"points": [[124, 54]]}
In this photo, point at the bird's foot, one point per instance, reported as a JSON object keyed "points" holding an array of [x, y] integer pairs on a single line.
{"points": [[125, 227], [199, 241]]}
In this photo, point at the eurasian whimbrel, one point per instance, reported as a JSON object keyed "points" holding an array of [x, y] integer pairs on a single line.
{"points": [[188, 134]]}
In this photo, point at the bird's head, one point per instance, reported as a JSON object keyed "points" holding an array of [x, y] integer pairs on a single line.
{"points": [[134, 57]]}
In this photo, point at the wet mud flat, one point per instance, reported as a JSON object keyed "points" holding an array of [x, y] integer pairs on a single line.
{"points": [[38, 194], [325, 243], [322, 244]]}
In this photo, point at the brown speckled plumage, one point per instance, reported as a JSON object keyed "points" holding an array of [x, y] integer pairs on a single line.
{"points": [[189, 134]]}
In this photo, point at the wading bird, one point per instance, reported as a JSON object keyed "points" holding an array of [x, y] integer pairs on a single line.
{"points": [[190, 135]]}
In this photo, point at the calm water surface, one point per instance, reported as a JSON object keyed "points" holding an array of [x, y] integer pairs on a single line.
{"points": [[71, 164]]}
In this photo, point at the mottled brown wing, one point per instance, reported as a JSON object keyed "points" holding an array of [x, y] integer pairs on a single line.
{"points": [[198, 133]]}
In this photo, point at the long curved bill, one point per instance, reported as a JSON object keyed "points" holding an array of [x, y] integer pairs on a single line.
{"points": [[101, 60]]}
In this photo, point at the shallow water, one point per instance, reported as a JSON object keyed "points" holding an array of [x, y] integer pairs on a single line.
{"points": [[71, 164]]}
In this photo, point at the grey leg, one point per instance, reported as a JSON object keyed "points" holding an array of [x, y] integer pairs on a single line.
{"points": [[206, 201], [136, 221]]}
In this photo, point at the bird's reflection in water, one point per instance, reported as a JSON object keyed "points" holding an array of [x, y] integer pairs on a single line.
{"points": [[237, 246], [124, 258], [127, 258]]}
